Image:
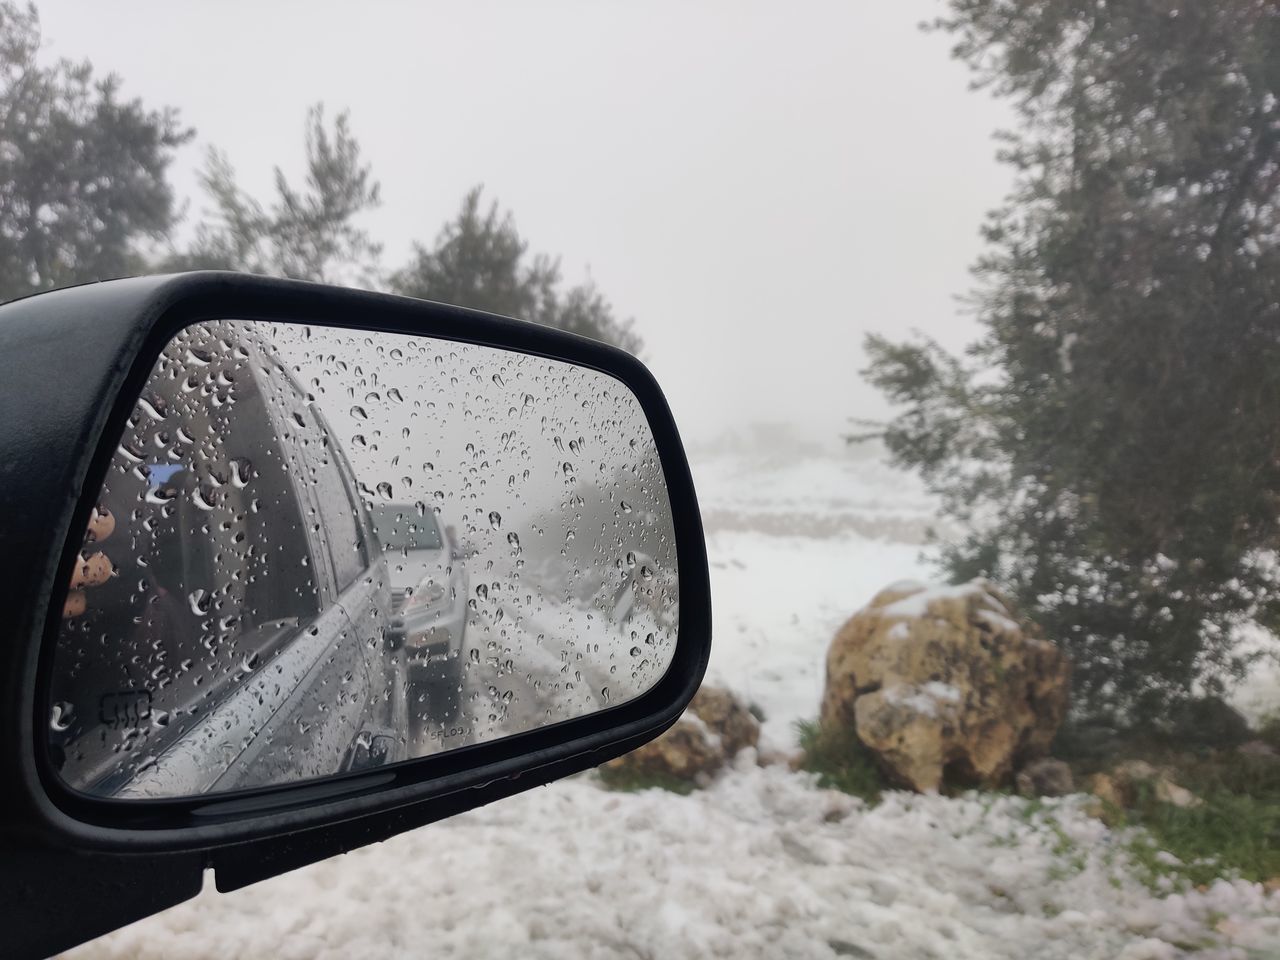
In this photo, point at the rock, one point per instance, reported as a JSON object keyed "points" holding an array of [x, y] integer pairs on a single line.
{"points": [[791, 759], [1106, 804], [1133, 771], [1123, 786], [728, 717], [945, 684], [1169, 792], [1045, 778], [1104, 787], [1258, 748], [710, 733]]}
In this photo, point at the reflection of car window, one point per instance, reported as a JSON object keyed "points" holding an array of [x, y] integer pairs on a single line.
{"points": [[338, 516], [402, 526], [315, 458], [215, 566], [338, 471]]}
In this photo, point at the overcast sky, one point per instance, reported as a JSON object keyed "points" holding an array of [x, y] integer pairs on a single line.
{"points": [[758, 184]]}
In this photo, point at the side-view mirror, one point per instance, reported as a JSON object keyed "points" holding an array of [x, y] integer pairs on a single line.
{"points": [[289, 569]]}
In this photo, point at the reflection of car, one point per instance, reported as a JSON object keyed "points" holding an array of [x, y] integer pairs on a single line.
{"points": [[254, 589], [646, 587], [429, 587]]}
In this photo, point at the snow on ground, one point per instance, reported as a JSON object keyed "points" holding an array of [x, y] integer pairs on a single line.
{"points": [[776, 601], [764, 863], [777, 597], [761, 865]]}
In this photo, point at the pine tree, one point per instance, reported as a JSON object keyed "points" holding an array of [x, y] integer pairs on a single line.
{"points": [[308, 233], [479, 260], [83, 173]]}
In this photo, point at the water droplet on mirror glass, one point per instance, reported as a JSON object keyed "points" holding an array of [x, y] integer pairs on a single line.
{"points": [[359, 413], [199, 601], [241, 472], [160, 495], [385, 491], [495, 519], [60, 716], [150, 409]]}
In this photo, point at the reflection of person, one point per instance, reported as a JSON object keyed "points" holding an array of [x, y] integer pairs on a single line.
{"points": [[94, 569]]}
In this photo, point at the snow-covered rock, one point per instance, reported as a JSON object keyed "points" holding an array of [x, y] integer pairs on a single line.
{"points": [[945, 682], [712, 731]]}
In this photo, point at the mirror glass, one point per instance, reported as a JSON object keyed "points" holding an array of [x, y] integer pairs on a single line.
{"points": [[321, 550]]}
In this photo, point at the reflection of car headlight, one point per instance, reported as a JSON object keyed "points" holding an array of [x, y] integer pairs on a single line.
{"points": [[426, 595]]}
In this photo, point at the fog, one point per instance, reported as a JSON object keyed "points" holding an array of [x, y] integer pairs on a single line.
{"points": [[757, 184]]}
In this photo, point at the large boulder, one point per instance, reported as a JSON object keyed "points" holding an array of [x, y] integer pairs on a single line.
{"points": [[711, 732], [945, 683]]}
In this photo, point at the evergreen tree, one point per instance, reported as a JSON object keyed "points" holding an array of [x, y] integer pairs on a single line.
{"points": [[1110, 447], [306, 234], [479, 260], [83, 188]]}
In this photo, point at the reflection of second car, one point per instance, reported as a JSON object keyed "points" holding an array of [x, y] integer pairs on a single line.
{"points": [[429, 585]]}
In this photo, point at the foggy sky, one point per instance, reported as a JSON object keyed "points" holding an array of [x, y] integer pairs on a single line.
{"points": [[758, 184]]}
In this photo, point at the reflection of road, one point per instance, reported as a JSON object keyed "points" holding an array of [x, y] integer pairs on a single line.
{"points": [[529, 661]]}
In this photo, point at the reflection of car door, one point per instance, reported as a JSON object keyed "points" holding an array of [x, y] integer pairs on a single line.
{"points": [[320, 721], [366, 596]]}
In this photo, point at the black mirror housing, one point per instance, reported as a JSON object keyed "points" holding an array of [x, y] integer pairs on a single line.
{"points": [[72, 363]]}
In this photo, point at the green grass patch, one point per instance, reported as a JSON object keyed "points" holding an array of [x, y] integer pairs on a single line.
{"points": [[1235, 830], [630, 780], [841, 761]]}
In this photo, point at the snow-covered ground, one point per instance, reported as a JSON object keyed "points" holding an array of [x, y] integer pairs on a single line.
{"points": [[763, 863]]}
